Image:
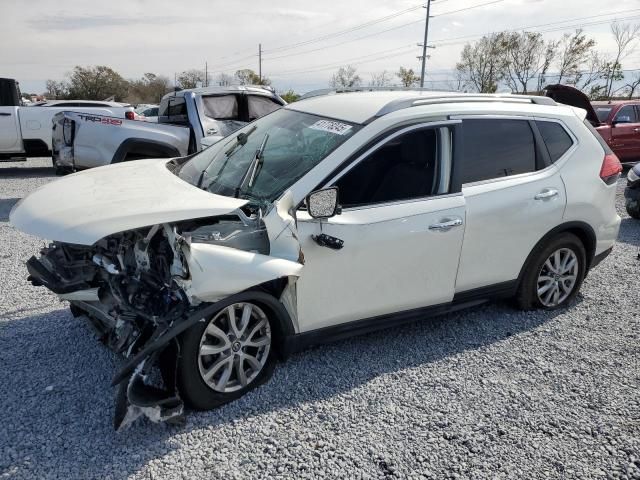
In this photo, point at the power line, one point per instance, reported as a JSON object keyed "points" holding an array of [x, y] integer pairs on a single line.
{"points": [[345, 31]]}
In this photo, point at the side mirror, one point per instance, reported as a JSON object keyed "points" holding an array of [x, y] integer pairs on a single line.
{"points": [[323, 203]]}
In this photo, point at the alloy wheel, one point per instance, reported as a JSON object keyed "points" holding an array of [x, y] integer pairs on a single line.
{"points": [[557, 278], [234, 347]]}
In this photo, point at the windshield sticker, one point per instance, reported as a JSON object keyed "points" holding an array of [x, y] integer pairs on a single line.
{"points": [[332, 127]]}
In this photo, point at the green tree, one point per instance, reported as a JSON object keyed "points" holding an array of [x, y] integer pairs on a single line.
{"points": [[96, 83], [56, 90], [408, 77], [148, 89], [481, 64], [574, 52], [247, 76], [190, 78], [290, 96]]}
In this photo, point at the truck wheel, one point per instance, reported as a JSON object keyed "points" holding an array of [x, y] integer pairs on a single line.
{"points": [[633, 207]]}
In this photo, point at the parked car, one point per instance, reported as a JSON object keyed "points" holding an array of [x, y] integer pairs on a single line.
{"points": [[632, 192], [185, 119], [147, 112], [26, 131], [333, 216], [618, 121]]}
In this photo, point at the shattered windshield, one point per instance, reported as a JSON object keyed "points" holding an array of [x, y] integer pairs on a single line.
{"points": [[297, 142]]}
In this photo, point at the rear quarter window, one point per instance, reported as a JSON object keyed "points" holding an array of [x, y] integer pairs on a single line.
{"points": [[555, 138]]}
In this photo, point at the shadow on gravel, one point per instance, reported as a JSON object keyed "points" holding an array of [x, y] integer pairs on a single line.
{"points": [[629, 231], [6, 204], [58, 406], [25, 172]]}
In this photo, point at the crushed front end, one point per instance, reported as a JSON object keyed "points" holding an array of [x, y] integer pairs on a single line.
{"points": [[134, 287]]}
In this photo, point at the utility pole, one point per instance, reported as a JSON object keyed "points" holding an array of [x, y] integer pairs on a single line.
{"points": [[206, 75], [424, 44], [260, 62]]}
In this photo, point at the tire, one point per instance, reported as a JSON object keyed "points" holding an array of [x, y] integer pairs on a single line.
{"points": [[569, 247], [217, 335], [633, 207]]}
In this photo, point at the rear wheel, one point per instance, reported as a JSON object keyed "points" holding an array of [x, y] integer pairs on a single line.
{"points": [[554, 275], [225, 357]]}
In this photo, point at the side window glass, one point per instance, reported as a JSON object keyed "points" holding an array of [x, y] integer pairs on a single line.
{"points": [[555, 138], [402, 169], [626, 114], [177, 111], [221, 107], [495, 148], [260, 106]]}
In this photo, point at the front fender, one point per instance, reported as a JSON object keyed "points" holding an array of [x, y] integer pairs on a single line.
{"points": [[217, 272]]}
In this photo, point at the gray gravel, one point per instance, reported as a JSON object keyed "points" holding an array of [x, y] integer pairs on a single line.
{"points": [[489, 393]]}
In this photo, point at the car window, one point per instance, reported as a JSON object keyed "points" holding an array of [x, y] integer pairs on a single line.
{"points": [[626, 114], [260, 106], [221, 107], [555, 138], [402, 169], [494, 148], [603, 113]]}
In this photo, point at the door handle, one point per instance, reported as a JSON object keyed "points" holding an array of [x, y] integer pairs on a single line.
{"points": [[636, 130], [446, 225], [546, 194], [5, 114]]}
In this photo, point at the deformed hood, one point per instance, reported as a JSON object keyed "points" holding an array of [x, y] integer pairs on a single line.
{"points": [[573, 97], [84, 207]]}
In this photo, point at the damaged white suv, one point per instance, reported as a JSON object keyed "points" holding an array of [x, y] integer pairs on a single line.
{"points": [[336, 215]]}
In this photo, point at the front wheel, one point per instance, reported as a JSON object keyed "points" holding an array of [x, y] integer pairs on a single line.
{"points": [[554, 275], [223, 358]]}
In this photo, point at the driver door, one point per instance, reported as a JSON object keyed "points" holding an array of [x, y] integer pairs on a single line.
{"points": [[402, 231]]}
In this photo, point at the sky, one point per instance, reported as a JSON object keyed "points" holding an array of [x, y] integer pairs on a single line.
{"points": [[303, 42]]}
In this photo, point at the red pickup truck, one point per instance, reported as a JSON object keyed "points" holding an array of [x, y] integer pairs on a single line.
{"points": [[617, 121]]}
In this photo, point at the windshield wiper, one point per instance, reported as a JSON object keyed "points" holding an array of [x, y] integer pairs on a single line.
{"points": [[255, 165], [241, 140]]}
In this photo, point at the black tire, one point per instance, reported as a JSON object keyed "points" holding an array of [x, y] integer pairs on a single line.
{"points": [[194, 390], [527, 295], [633, 207]]}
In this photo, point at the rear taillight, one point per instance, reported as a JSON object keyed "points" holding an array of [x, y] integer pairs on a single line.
{"points": [[611, 168], [129, 115]]}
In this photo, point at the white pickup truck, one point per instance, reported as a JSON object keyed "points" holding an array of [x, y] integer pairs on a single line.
{"points": [[26, 131], [188, 120]]}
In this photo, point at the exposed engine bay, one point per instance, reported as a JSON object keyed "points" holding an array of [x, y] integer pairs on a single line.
{"points": [[134, 287]]}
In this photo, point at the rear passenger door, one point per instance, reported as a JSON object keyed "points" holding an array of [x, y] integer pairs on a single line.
{"points": [[514, 194], [625, 133]]}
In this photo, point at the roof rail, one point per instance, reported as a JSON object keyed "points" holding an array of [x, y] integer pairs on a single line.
{"points": [[331, 91], [403, 103]]}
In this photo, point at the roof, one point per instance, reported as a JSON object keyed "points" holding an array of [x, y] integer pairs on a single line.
{"points": [[614, 103], [217, 90], [53, 103], [361, 106]]}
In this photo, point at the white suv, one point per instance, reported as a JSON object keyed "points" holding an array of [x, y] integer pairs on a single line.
{"points": [[336, 215]]}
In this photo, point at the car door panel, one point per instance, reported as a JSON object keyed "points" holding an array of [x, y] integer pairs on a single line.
{"points": [[625, 136], [505, 219], [391, 260], [10, 139]]}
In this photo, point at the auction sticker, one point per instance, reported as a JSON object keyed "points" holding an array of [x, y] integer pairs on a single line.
{"points": [[331, 126]]}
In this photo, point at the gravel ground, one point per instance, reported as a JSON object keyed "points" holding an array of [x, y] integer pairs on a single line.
{"points": [[489, 393]]}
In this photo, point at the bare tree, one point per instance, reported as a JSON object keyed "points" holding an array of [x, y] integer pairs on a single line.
{"points": [[345, 77], [481, 64], [408, 77], [56, 90], [626, 36], [573, 53], [190, 78], [633, 85], [224, 80], [380, 79], [592, 73], [526, 55]]}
